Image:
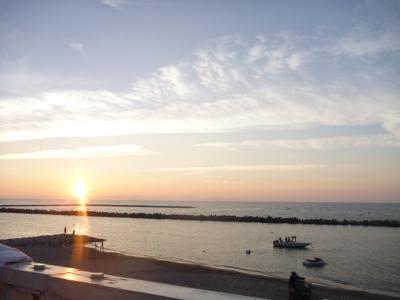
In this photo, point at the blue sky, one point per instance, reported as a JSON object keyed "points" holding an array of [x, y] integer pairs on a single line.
{"points": [[313, 84], [145, 35]]}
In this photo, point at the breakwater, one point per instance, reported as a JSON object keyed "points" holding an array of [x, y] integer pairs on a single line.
{"points": [[54, 240], [219, 218]]}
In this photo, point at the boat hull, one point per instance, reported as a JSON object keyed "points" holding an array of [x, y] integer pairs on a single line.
{"points": [[293, 245], [314, 264]]}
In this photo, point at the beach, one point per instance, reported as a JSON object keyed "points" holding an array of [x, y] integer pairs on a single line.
{"points": [[189, 275]]}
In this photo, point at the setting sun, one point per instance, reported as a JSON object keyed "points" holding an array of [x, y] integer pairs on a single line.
{"points": [[80, 190]]}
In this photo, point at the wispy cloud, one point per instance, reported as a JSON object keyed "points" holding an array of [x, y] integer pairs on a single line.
{"points": [[228, 84], [19, 77], [84, 152], [327, 143], [77, 46], [114, 3], [363, 43], [235, 168]]}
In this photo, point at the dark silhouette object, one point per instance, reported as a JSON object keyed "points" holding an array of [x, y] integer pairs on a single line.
{"points": [[102, 246], [298, 288], [292, 279], [65, 230], [294, 238], [220, 218], [73, 232]]}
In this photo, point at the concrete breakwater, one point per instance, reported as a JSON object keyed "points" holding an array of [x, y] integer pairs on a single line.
{"points": [[55, 240], [219, 218]]}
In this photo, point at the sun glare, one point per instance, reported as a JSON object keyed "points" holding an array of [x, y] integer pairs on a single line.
{"points": [[80, 190]]}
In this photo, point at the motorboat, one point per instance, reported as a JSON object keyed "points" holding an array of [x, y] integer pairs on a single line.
{"points": [[291, 244], [316, 262]]}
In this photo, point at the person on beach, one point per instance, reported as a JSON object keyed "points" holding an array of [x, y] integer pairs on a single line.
{"points": [[298, 288], [73, 232], [65, 230], [292, 279]]}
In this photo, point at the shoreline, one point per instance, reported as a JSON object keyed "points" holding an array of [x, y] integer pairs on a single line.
{"points": [[243, 271], [187, 273]]}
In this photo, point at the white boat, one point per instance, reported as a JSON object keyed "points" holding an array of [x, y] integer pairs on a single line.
{"points": [[316, 262], [295, 245]]}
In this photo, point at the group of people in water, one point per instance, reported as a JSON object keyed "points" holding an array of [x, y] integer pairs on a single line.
{"points": [[288, 239]]}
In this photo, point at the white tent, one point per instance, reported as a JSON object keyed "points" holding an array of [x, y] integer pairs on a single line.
{"points": [[9, 255]]}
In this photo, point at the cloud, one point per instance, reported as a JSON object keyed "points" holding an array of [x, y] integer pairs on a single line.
{"points": [[83, 152], [296, 60], [77, 46], [18, 77], [114, 3], [228, 84], [256, 52], [327, 143], [235, 168], [363, 43]]}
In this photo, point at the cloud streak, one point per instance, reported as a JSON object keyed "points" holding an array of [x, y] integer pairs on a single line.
{"points": [[83, 152], [235, 168], [328, 143], [114, 3], [363, 44]]}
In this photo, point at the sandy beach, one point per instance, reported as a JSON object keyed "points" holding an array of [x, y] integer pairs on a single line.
{"points": [[180, 274]]}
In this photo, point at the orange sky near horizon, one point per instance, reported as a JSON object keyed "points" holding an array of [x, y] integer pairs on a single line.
{"points": [[55, 179]]}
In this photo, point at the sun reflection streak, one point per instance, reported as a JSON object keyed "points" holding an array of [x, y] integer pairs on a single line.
{"points": [[78, 250]]}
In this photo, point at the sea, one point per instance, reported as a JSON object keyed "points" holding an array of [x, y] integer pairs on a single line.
{"points": [[362, 258]]}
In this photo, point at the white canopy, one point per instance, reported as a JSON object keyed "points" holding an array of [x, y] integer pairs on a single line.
{"points": [[9, 255]]}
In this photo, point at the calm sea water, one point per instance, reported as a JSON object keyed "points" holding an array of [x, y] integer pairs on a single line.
{"points": [[362, 257]]}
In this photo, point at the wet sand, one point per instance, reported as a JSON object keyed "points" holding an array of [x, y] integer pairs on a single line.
{"points": [[181, 274]]}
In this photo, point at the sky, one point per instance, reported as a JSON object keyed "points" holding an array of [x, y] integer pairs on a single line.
{"points": [[200, 100]]}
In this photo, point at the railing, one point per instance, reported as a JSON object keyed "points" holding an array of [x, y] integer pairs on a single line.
{"points": [[48, 282]]}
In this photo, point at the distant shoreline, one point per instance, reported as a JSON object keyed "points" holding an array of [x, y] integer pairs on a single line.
{"points": [[94, 204], [218, 218]]}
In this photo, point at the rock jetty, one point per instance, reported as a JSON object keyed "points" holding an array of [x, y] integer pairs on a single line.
{"points": [[219, 218], [55, 240]]}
